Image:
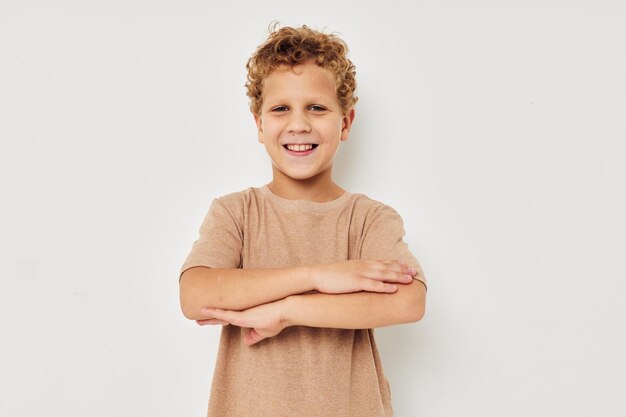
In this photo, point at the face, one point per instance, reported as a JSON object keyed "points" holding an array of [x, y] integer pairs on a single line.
{"points": [[301, 123]]}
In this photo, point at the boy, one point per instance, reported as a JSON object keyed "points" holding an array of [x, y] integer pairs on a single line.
{"points": [[300, 271]]}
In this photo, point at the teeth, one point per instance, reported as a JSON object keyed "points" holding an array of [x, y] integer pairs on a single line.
{"points": [[299, 148]]}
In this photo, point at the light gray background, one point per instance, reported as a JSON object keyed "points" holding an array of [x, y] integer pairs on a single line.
{"points": [[495, 128]]}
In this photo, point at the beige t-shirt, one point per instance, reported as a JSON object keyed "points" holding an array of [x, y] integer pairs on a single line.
{"points": [[302, 371]]}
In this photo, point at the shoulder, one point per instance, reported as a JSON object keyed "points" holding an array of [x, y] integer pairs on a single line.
{"points": [[238, 198], [371, 210], [241, 203]]}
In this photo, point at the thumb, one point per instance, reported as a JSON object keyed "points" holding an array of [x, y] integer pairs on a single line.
{"points": [[251, 337]]}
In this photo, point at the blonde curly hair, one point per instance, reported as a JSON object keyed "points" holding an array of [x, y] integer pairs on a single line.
{"points": [[292, 46]]}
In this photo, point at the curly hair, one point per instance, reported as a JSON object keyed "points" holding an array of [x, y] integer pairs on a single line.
{"points": [[292, 46]]}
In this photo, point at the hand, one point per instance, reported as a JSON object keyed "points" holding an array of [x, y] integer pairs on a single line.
{"points": [[261, 322], [359, 275]]}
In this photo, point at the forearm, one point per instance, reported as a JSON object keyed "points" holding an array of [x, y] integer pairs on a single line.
{"points": [[361, 310], [239, 289]]}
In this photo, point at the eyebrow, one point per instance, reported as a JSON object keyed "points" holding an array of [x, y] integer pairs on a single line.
{"points": [[316, 100]]}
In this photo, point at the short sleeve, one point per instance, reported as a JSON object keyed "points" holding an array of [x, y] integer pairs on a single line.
{"points": [[383, 239], [220, 240]]}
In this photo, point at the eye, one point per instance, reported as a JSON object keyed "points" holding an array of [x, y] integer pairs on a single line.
{"points": [[317, 108], [280, 109]]}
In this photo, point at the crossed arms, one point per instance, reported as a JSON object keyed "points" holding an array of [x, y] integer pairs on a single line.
{"points": [[354, 294]]}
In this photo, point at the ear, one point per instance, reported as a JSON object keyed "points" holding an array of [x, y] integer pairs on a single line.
{"points": [[347, 124], [259, 126]]}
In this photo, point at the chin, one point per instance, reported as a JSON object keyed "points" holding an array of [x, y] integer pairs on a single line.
{"points": [[300, 177], [302, 173]]}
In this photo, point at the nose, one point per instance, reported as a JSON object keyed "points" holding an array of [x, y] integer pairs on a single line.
{"points": [[298, 122]]}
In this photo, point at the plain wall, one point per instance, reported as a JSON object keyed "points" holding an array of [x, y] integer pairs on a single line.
{"points": [[496, 129]]}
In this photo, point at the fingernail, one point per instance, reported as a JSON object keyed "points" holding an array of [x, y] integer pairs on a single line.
{"points": [[412, 270]]}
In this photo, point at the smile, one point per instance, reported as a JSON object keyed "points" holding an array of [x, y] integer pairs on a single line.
{"points": [[302, 147]]}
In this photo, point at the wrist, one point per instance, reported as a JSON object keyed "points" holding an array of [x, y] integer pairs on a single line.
{"points": [[287, 307], [308, 272]]}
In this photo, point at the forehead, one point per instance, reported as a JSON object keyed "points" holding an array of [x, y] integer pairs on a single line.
{"points": [[306, 78]]}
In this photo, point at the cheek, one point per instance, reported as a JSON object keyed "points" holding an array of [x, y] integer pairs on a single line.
{"points": [[334, 130], [271, 129]]}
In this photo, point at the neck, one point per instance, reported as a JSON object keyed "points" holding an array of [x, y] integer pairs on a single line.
{"points": [[321, 189]]}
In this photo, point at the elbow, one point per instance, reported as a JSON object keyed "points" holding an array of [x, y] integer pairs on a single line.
{"points": [[414, 313], [201, 287], [417, 313], [187, 314], [189, 310], [415, 307], [189, 296], [198, 289], [186, 306]]}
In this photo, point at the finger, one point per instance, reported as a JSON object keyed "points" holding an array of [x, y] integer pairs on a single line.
{"points": [[388, 276], [210, 321], [229, 316], [395, 266], [216, 313], [251, 337], [391, 265], [377, 286], [208, 312]]}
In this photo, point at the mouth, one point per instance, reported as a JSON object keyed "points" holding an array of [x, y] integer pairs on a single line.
{"points": [[300, 147]]}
